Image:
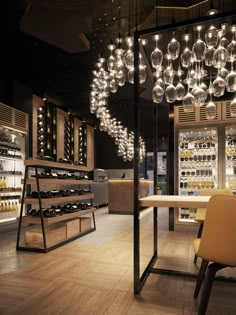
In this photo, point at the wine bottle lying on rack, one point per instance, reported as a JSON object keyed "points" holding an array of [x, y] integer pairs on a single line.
{"points": [[43, 194], [84, 191], [85, 205], [64, 160], [33, 212], [46, 157]]}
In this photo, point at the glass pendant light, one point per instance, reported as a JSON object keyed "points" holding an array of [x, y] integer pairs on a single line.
{"points": [[223, 72], [199, 47], [111, 61], [169, 73], [180, 89], [218, 86], [170, 93], [231, 50], [230, 80], [211, 106], [188, 102], [142, 74], [209, 56], [211, 37], [157, 93], [220, 55], [186, 56], [173, 48], [156, 55], [199, 96], [129, 55]]}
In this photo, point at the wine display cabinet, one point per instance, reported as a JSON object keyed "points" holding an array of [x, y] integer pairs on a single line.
{"points": [[197, 164], [59, 136], [205, 156], [58, 198], [13, 139]]}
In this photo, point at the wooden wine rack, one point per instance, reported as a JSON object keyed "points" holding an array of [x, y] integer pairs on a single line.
{"points": [[42, 221]]}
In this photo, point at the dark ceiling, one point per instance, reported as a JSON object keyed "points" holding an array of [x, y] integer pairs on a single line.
{"points": [[51, 45]]}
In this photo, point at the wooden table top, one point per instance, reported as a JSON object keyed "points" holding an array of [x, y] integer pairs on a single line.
{"points": [[172, 201]]}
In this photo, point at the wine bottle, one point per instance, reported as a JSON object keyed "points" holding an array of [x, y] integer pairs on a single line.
{"points": [[55, 193], [33, 212], [63, 193], [84, 206]]}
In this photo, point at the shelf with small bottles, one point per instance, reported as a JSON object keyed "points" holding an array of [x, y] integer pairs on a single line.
{"points": [[197, 164], [12, 154], [230, 157], [55, 200]]}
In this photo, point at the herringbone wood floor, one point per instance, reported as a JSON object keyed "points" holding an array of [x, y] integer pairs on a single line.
{"points": [[93, 275]]}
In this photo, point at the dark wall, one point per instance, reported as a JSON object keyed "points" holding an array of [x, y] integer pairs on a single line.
{"points": [[105, 152]]}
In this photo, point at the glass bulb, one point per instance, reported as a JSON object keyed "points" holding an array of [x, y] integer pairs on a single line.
{"points": [[188, 103], [180, 91], [200, 96], [209, 56], [142, 74], [220, 56], [218, 86], [211, 37], [173, 49], [170, 93], [129, 59], [156, 58], [157, 94], [210, 110]]}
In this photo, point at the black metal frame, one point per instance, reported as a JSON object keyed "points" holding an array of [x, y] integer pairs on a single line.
{"points": [[45, 249], [139, 281]]}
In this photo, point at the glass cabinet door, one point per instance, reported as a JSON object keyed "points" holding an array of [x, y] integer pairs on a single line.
{"points": [[12, 155], [230, 157], [197, 163]]}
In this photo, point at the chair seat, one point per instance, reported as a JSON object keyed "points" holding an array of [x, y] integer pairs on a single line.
{"points": [[196, 244]]}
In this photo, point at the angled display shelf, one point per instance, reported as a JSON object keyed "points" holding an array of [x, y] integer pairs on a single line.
{"points": [[63, 219]]}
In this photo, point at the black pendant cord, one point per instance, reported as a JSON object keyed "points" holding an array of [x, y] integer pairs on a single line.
{"points": [[157, 9]]}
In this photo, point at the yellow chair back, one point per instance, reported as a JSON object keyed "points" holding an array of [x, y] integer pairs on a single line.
{"points": [[201, 212], [219, 232]]}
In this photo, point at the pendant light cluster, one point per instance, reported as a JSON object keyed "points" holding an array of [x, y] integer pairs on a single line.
{"points": [[107, 77], [187, 83]]}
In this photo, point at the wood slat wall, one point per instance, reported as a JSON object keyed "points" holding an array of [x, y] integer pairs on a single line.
{"points": [[14, 118]]}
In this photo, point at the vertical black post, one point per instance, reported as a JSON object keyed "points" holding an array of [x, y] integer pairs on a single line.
{"points": [[155, 148], [40, 209], [21, 208], [136, 223], [170, 165]]}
